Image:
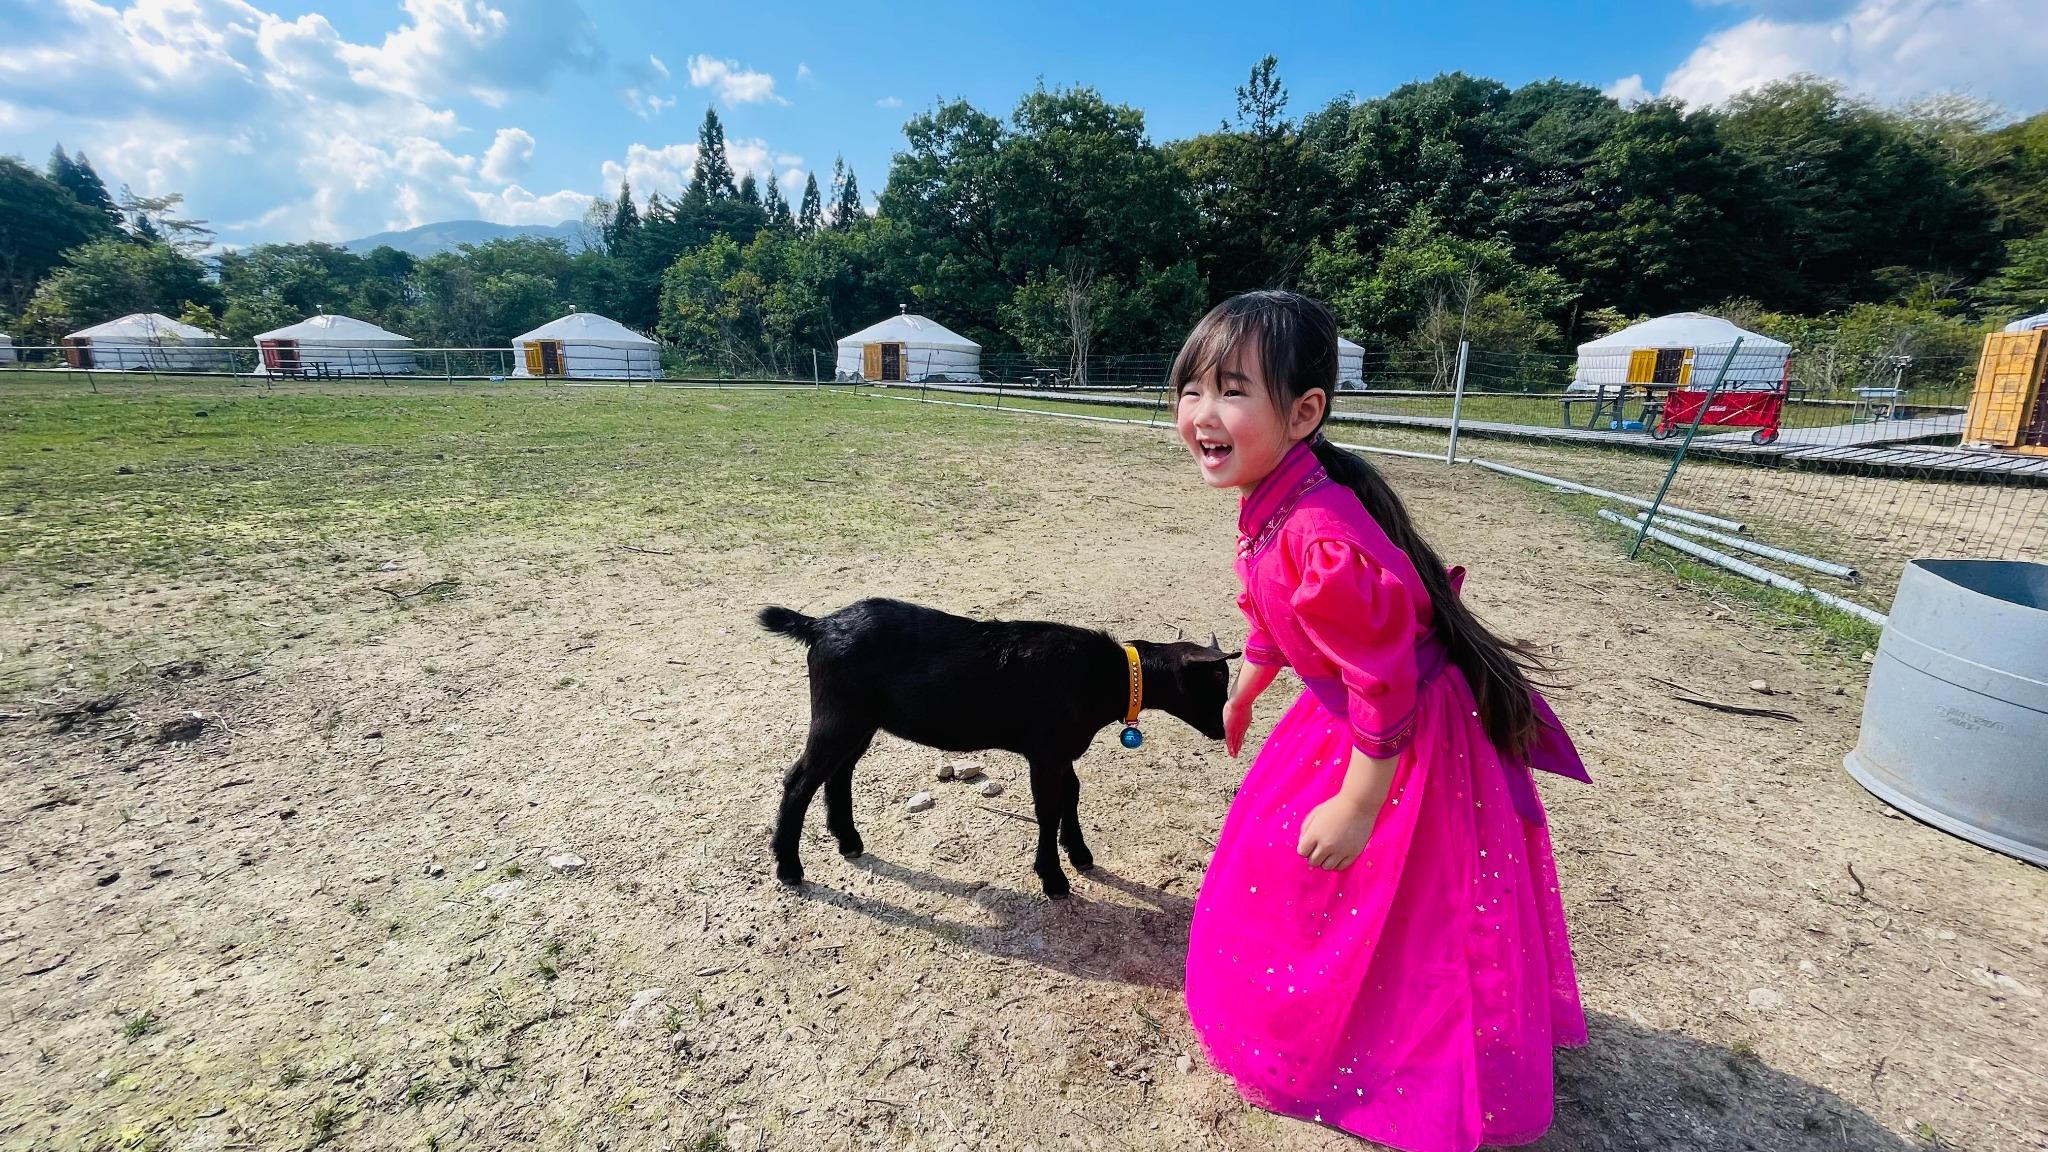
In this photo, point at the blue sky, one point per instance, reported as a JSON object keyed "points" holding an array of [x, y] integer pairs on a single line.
{"points": [[287, 120]]}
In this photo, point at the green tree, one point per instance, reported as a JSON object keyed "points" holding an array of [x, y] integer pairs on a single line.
{"points": [[39, 221], [776, 207], [847, 209], [155, 220], [624, 227], [75, 175], [1251, 186], [812, 215], [107, 278], [711, 180], [1660, 228], [750, 193], [2020, 286], [1842, 189]]}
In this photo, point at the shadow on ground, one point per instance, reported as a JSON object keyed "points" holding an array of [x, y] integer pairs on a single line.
{"points": [[1631, 1088]]}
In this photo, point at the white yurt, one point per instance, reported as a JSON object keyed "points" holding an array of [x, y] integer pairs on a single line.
{"points": [[586, 346], [7, 355], [1684, 348], [908, 348], [144, 342], [1350, 365], [325, 345], [2028, 323]]}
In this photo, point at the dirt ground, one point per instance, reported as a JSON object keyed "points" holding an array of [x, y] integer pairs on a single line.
{"points": [[329, 918]]}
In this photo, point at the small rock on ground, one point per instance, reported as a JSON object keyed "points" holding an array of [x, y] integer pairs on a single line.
{"points": [[566, 862], [1760, 686], [991, 788], [945, 771], [1184, 1063], [965, 770], [920, 802]]}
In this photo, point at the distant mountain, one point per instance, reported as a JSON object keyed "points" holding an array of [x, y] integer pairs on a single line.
{"points": [[428, 239]]}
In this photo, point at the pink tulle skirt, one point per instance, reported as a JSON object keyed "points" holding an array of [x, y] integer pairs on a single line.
{"points": [[1416, 997]]}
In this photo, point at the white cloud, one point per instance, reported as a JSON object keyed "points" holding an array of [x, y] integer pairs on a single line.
{"points": [[664, 170], [889, 102], [803, 71], [282, 129], [485, 49], [1889, 50], [1628, 90], [659, 68], [667, 169], [732, 83], [511, 154]]}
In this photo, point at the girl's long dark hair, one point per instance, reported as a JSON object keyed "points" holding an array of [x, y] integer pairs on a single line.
{"points": [[1296, 342]]}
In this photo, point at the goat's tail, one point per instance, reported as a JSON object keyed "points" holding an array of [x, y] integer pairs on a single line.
{"points": [[785, 622]]}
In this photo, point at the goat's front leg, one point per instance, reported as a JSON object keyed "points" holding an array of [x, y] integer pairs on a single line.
{"points": [[1048, 802], [1070, 825]]}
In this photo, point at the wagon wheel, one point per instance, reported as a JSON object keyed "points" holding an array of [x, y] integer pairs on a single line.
{"points": [[1662, 431], [1764, 436]]}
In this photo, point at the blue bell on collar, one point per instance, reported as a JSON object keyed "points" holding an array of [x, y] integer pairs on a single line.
{"points": [[1131, 737]]}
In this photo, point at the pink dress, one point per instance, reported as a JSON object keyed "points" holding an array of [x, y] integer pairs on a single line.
{"points": [[1414, 998]]}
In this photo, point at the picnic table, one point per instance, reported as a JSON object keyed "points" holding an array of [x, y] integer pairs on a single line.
{"points": [[1873, 404], [1612, 401]]}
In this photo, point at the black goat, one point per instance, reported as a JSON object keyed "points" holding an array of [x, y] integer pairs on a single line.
{"points": [[1042, 691]]}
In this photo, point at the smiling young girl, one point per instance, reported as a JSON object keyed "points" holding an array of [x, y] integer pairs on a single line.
{"points": [[1379, 944]]}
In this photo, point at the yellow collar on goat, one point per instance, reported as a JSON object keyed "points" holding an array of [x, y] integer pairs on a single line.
{"points": [[1137, 687]]}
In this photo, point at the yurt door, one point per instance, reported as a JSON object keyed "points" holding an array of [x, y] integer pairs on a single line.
{"points": [[2010, 388], [281, 355], [892, 361], [78, 351], [1670, 366], [544, 358]]}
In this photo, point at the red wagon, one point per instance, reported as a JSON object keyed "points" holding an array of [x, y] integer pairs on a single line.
{"points": [[1731, 408]]}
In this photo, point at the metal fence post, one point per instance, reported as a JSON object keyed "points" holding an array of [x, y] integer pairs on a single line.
{"points": [[1671, 473], [1458, 400]]}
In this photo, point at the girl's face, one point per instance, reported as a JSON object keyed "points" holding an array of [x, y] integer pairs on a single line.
{"points": [[1231, 425]]}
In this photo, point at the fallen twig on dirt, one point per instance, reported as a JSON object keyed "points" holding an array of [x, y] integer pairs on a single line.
{"points": [[642, 551], [416, 593], [1007, 812], [1691, 696]]}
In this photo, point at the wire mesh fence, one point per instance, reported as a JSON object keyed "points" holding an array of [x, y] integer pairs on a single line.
{"points": [[1859, 477]]}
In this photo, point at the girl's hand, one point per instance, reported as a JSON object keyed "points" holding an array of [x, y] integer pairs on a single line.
{"points": [[1251, 680], [1336, 831], [1237, 719]]}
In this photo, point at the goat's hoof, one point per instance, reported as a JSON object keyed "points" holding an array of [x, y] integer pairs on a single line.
{"points": [[793, 877], [1057, 888], [854, 850], [1083, 860]]}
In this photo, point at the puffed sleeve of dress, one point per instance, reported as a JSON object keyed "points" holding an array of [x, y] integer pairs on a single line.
{"points": [[1360, 617]]}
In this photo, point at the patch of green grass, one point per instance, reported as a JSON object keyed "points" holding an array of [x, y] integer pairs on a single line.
{"points": [[421, 1091], [291, 1076], [360, 906], [326, 1121], [129, 479], [138, 1026]]}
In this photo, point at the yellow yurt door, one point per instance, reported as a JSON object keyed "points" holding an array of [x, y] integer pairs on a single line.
{"points": [[544, 358], [2009, 388], [882, 361]]}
